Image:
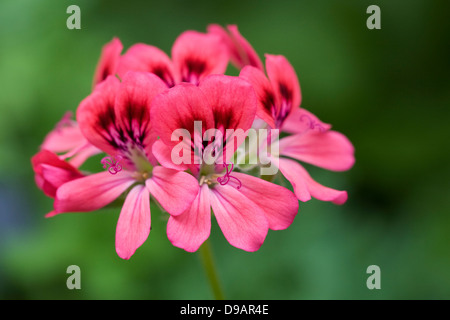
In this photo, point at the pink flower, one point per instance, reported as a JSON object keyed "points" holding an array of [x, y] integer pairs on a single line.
{"points": [[115, 118], [245, 207], [194, 56], [239, 49], [313, 142]]}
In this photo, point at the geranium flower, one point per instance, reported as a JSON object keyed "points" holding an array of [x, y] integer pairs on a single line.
{"points": [[116, 119], [194, 56], [313, 142], [244, 210]]}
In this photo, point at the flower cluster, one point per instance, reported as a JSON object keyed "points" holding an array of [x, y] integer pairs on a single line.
{"points": [[156, 117]]}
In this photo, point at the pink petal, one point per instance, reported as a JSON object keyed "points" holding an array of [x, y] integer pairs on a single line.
{"points": [[133, 226], [285, 83], [241, 52], [143, 57], [302, 121], [92, 192], [191, 228], [264, 93], [305, 187], [132, 107], [65, 137], [179, 108], [96, 116], [279, 204], [233, 102], [196, 55], [330, 150], [109, 59], [83, 153], [174, 190], [242, 222], [163, 155]]}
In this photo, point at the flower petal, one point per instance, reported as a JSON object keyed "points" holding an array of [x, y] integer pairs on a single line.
{"points": [[51, 172], [143, 57], [191, 228], [65, 137], [264, 92], [279, 204], [132, 108], [174, 190], [301, 120], [196, 55], [92, 192], [107, 65], [305, 187], [233, 103], [183, 109], [240, 50], [163, 155], [96, 116], [133, 226], [242, 222], [329, 150], [285, 83]]}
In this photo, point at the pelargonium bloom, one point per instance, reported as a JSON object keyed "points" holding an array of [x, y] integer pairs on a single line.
{"points": [[115, 118], [313, 142], [244, 211], [194, 56]]}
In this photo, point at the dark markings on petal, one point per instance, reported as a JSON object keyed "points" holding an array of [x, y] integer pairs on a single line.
{"points": [[165, 75], [285, 92], [286, 104], [137, 131], [105, 73], [193, 69], [107, 122], [268, 102]]}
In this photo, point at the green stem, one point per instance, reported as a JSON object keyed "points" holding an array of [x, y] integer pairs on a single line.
{"points": [[211, 273]]}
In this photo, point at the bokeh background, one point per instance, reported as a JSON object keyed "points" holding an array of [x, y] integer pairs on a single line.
{"points": [[387, 90]]}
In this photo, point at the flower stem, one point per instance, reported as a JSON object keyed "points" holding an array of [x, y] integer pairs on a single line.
{"points": [[211, 273]]}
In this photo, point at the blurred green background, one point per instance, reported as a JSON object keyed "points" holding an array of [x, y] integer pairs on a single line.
{"points": [[387, 90]]}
